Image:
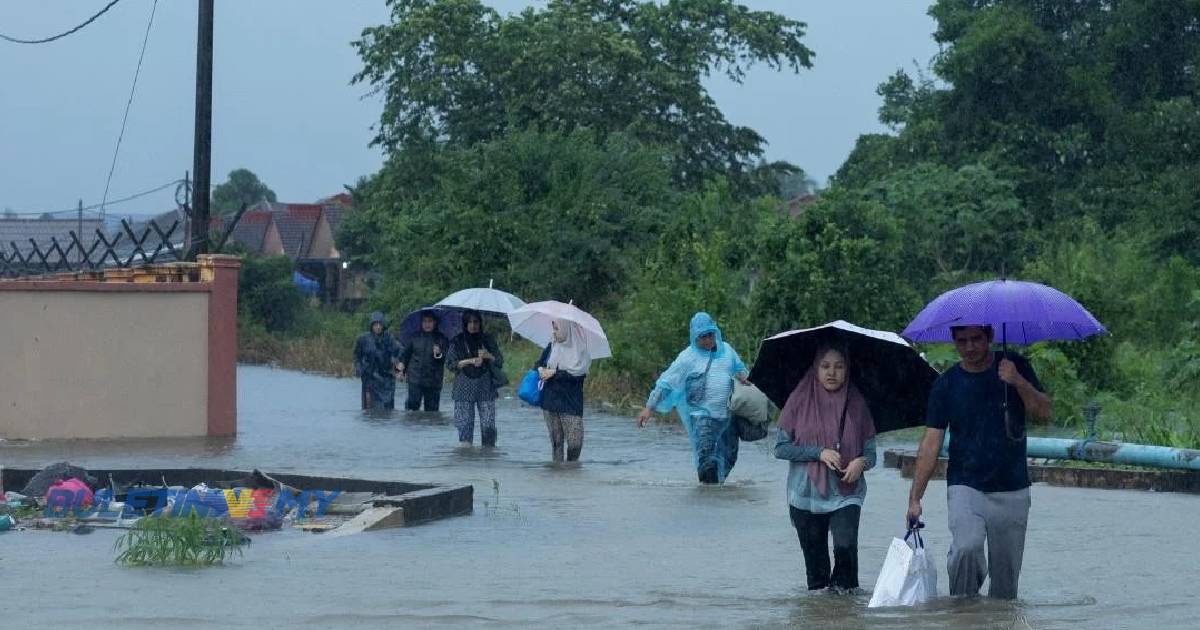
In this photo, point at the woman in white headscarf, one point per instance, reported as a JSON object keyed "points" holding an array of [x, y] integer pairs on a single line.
{"points": [[563, 367]]}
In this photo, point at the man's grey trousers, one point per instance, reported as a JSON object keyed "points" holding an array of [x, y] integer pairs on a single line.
{"points": [[997, 520]]}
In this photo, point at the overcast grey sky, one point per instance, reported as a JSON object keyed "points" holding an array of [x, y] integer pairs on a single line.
{"points": [[283, 106]]}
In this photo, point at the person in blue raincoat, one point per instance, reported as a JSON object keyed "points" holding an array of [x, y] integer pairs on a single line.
{"points": [[698, 384], [376, 354]]}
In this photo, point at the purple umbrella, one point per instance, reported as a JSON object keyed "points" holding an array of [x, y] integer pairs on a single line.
{"points": [[1020, 312]]}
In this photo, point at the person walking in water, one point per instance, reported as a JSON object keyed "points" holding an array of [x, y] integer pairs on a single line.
{"points": [[698, 384], [375, 356], [827, 435], [987, 478], [423, 364], [563, 367], [472, 356]]}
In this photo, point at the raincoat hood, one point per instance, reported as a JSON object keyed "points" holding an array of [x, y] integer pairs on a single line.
{"points": [[702, 324], [377, 316]]}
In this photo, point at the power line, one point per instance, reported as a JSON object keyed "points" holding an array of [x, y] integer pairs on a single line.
{"points": [[128, 105], [47, 40], [94, 206]]}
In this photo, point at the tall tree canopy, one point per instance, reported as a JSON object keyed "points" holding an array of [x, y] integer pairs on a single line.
{"points": [[1088, 108], [242, 187], [457, 72]]}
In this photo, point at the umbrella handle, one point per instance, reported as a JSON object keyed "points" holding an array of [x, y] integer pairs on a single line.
{"points": [[1008, 429]]}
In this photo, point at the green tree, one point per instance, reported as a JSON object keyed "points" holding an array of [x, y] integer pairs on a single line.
{"points": [[844, 258], [267, 294], [545, 214], [459, 73], [1055, 140], [702, 262], [242, 187]]}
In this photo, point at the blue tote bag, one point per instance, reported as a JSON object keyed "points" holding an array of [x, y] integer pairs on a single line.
{"points": [[530, 390]]}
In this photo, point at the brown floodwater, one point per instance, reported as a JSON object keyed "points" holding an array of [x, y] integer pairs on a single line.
{"points": [[627, 537]]}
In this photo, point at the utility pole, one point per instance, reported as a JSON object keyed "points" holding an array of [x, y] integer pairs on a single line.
{"points": [[202, 145]]}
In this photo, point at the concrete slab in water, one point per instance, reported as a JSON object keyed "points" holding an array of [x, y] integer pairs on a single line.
{"points": [[418, 502]]}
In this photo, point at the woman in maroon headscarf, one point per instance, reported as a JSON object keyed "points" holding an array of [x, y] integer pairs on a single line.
{"points": [[826, 432]]}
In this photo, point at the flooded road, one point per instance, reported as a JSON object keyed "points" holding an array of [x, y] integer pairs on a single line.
{"points": [[626, 537]]}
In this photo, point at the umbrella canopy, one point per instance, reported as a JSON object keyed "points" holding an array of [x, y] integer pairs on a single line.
{"points": [[892, 377], [487, 300], [449, 321], [1020, 312], [534, 322]]}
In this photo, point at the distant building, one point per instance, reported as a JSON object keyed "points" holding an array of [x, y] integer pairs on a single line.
{"points": [[23, 234], [305, 233], [257, 232], [47, 245]]}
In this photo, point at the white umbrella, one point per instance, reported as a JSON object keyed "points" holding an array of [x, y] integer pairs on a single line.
{"points": [[534, 322], [489, 300]]}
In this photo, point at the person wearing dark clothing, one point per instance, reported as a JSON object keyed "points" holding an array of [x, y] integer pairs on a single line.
{"points": [[982, 401], [422, 362], [375, 356], [563, 367], [827, 434], [473, 357]]}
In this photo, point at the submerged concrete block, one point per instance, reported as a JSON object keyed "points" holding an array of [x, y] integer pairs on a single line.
{"points": [[372, 519]]}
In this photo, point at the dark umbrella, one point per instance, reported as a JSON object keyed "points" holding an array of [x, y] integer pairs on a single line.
{"points": [[892, 377], [449, 321]]}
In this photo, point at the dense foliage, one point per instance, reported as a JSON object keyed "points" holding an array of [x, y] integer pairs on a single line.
{"points": [[266, 294], [456, 72]]}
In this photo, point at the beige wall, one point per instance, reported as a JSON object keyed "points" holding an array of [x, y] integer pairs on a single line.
{"points": [[272, 242], [322, 244], [84, 364]]}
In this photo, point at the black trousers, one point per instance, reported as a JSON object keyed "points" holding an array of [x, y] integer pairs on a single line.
{"points": [[813, 530], [418, 393]]}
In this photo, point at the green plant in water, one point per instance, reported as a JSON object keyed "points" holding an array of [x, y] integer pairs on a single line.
{"points": [[189, 540], [494, 507]]}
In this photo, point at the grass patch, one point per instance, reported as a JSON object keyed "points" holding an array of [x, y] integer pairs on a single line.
{"points": [[321, 342], [191, 540]]}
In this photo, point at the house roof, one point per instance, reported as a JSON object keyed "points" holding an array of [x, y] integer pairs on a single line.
{"points": [[296, 222], [251, 230], [20, 231], [334, 214]]}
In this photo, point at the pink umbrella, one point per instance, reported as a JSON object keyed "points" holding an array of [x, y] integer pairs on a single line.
{"points": [[534, 322]]}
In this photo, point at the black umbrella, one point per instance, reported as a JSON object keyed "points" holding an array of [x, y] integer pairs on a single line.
{"points": [[893, 378]]}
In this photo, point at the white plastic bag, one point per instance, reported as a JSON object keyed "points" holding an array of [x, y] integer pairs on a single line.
{"points": [[908, 576]]}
